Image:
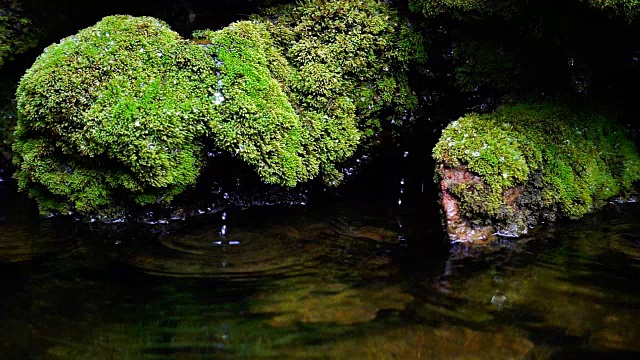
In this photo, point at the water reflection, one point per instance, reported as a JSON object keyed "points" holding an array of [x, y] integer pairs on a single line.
{"points": [[334, 284]]}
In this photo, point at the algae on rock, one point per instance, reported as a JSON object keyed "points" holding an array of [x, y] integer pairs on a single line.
{"points": [[525, 163]]}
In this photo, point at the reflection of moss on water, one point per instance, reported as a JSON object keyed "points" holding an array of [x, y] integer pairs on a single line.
{"points": [[20, 243], [574, 287], [334, 303], [424, 342], [263, 250]]}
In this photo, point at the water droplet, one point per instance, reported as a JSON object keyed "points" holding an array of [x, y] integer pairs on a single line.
{"points": [[218, 98], [224, 216], [498, 300]]}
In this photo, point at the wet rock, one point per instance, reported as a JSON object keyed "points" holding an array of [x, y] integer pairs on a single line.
{"points": [[445, 342], [334, 303], [502, 173]]}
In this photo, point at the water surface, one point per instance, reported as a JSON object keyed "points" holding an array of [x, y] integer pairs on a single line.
{"points": [[353, 280]]}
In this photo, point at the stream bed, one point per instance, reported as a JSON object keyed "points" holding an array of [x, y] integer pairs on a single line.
{"points": [[353, 280]]}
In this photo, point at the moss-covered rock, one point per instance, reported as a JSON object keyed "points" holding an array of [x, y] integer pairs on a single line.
{"points": [[124, 112], [529, 162], [253, 117], [113, 115], [347, 74]]}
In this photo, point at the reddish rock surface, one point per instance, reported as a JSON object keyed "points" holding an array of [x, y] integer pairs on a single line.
{"points": [[459, 228]]}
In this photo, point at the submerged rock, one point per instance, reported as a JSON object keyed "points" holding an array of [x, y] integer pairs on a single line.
{"points": [[502, 173]]}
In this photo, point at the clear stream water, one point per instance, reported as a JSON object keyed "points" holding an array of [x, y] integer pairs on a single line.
{"points": [[353, 280]]}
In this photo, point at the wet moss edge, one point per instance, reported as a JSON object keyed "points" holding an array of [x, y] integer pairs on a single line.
{"points": [[536, 162]]}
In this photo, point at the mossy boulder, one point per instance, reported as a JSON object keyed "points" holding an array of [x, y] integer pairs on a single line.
{"points": [[506, 171], [347, 73], [123, 113], [113, 115]]}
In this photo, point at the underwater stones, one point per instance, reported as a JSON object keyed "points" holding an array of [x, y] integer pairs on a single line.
{"points": [[502, 173], [334, 303]]}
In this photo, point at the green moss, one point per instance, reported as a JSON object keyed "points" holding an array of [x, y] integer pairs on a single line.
{"points": [[347, 67], [461, 8], [253, 118], [331, 72], [627, 8], [16, 34], [568, 163], [113, 114], [123, 112]]}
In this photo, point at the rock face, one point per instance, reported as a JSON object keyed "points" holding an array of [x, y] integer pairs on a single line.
{"points": [[504, 172]]}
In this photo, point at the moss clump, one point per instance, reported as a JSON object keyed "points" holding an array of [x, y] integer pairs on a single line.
{"points": [[123, 112], [347, 67], [16, 34], [565, 162], [111, 115], [253, 117], [460, 8], [627, 8]]}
